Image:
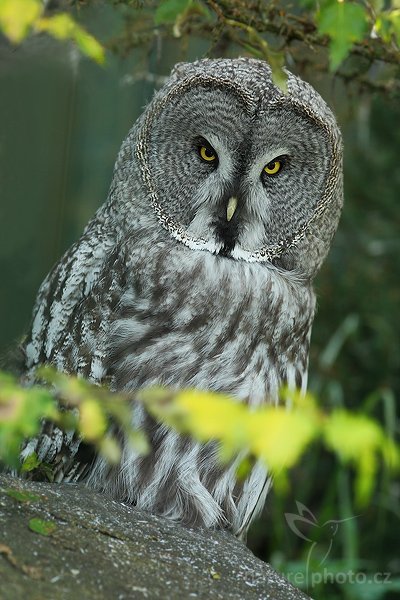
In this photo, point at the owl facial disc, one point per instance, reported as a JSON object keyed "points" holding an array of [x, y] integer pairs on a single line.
{"points": [[235, 167]]}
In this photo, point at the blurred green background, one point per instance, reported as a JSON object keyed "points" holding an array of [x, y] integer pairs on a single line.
{"points": [[62, 120]]}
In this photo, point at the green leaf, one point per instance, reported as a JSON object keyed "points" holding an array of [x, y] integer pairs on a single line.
{"points": [[110, 449], [169, 10], [345, 23], [356, 439], [383, 27], [350, 434], [394, 20], [21, 496], [139, 442], [30, 463], [63, 27], [21, 412], [92, 420], [214, 574], [17, 17], [279, 75], [89, 46], [42, 527]]}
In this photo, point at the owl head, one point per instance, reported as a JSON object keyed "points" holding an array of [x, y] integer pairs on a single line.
{"points": [[233, 166]]}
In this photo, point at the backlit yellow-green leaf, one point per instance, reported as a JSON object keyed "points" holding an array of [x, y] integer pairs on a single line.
{"points": [[89, 46], [92, 422], [139, 442], [395, 21], [110, 449], [349, 434], [63, 27], [296, 399], [358, 439], [275, 435], [279, 436], [17, 17], [213, 416]]}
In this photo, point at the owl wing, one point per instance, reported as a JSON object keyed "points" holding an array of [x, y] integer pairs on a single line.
{"points": [[78, 348], [71, 317], [64, 296]]}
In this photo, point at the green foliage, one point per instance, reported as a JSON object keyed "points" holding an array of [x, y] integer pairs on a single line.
{"points": [[168, 11], [275, 435], [42, 527], [358, 440], [91, 409], [355, 349], [18, 18], [31, 463], [63, 27], [21, 411], [345, 23], [72, 404], [22, 497], [341, 23], [387, 25]]}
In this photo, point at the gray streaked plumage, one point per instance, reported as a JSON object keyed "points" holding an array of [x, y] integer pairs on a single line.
{"points": [[163, 289]]}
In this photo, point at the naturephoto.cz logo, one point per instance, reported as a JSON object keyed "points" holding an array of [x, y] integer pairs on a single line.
{"points": [[321, 536]]}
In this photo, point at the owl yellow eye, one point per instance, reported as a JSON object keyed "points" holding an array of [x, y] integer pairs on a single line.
{"points": [[207, 153], [273, 167]]}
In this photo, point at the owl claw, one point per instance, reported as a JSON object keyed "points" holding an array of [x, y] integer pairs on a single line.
{"points": [[230, 209]]}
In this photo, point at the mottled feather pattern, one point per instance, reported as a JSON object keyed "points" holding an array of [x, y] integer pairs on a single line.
{"points": [[163, 289]]}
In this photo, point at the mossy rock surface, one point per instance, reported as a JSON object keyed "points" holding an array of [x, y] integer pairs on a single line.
{"points": [[65, 541]]}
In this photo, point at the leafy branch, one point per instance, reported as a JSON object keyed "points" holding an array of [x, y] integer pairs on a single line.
{"points": [[331, 34], [19, 18], [325, 35], [274, 435]]}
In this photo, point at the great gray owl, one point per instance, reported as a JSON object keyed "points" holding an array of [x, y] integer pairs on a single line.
{"points": [[197, 272]]}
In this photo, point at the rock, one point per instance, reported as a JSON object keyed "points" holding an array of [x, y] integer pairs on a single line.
{"points": [[64, 541]]}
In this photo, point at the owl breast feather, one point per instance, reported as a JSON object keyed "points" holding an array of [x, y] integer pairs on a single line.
{"points": [[192, 319]]}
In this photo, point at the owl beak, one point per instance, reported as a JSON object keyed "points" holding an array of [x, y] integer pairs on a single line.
{"points": [[230, 209]]}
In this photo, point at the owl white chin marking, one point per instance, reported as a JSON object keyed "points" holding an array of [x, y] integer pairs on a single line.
{"points": [[160, 289]]}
